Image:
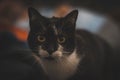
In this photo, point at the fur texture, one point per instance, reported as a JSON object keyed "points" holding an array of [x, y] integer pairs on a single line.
{"points": [[65, 53]]}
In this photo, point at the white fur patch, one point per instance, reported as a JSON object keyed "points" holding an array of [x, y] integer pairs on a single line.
{"points": [[56, 54], [43, 53], [62, 68], [56, 32]]}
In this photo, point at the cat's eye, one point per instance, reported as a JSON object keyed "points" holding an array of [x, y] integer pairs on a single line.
{"points": [[41, 38], [61, 39]]}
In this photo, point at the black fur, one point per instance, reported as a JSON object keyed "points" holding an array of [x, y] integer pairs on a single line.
{"points": [[96, 63]]}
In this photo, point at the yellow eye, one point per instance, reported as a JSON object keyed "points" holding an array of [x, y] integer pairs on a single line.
{"points": [[41, 38], [61, 40]]}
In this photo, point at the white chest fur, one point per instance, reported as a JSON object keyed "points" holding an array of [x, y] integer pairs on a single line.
{"points": [[61, 69]]}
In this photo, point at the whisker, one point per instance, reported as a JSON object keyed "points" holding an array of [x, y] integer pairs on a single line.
{"points": [[36, 58]]}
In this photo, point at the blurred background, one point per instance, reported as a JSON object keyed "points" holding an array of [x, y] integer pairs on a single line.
{"points": [[101, 17]]}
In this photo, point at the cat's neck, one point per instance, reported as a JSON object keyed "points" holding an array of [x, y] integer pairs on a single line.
{"points": [[62, 69]]}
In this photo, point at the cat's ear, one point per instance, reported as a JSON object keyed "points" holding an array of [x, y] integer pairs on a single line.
{"points": [[33, 14], [72, 16], [69, 23]]}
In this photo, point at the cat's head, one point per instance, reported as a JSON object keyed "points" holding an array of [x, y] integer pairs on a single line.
{"points": [[52, 38]]}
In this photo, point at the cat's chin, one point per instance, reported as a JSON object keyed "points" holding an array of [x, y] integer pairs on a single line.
{"points": [[49, 58]]}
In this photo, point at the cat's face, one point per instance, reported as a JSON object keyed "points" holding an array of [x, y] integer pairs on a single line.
{"points": [[52, 38]]}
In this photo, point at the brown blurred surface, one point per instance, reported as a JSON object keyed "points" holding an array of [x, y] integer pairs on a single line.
{"points": [[10, 12]]}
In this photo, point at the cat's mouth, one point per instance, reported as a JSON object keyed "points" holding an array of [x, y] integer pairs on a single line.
{"points": [[46, 56], [49, 58]]}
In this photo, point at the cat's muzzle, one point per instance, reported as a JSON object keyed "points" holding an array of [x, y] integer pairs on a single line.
{"points": [[45, 55]]}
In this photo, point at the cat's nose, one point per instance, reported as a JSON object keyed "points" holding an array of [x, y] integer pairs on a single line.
{"points": [[51, 50]]}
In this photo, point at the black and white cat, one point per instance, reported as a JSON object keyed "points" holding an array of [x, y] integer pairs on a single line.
{"points": [[65, 53]]}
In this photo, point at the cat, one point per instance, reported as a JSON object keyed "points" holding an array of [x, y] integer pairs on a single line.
{"points": [[65, 53]]}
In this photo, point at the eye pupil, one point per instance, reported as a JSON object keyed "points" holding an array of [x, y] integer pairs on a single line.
{"points": [[41, 38], [61, 40]]}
